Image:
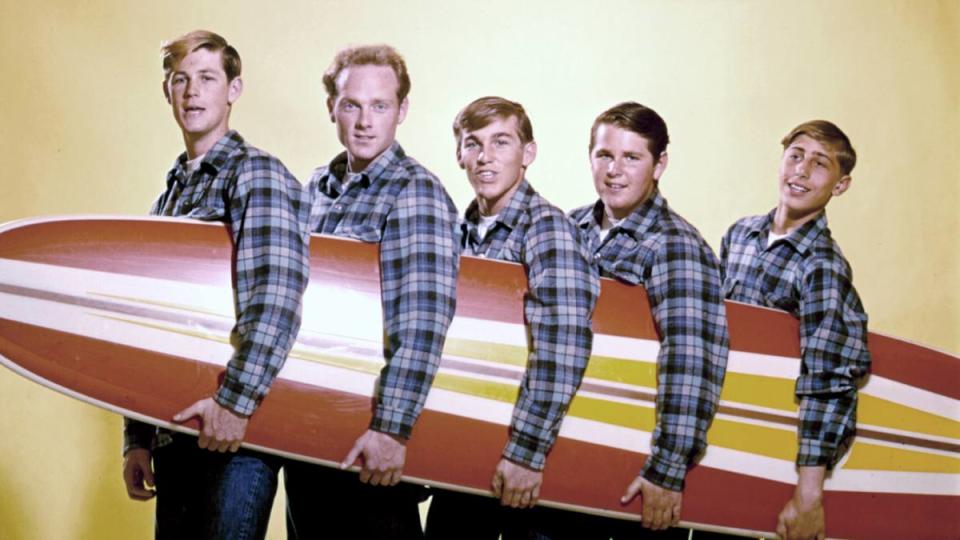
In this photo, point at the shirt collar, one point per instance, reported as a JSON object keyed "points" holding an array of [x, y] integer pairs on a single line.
{"points": [[511, 213], [213, 160], [638, 223], [802, 239]]}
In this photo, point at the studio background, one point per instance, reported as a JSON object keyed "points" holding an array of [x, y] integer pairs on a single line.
{"points": [[84, 128]]}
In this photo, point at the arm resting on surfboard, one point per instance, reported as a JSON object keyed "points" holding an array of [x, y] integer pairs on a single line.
{"points": [[419, 260], [684, 291], [562, 291], [833, 339]]}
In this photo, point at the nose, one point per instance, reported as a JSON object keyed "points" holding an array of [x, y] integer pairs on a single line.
{"points": [[192, 87], [484, 155], [363, 118], [803, 168], [614, 168]]}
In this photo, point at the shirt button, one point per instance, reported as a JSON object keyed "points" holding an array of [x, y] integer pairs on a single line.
{"points": [[338, 207]]}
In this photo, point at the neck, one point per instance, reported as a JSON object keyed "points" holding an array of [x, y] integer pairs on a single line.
{"points": [[786, 221], [200, 145]]}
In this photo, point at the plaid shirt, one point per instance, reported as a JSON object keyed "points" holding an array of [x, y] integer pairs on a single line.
{"points": [[656, 248], [266, 209], [806, 275], [397, 202], [563, 289]]}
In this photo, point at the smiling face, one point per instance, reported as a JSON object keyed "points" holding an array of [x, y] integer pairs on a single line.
{"points": [[625, 173], [809, 176], [495, 159], [200, 95], [367, 112]]}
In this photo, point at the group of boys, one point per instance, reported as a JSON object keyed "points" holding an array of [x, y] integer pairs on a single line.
{"points": [[209, 487]]}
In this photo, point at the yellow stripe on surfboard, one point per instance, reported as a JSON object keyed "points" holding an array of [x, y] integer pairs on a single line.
{"points": [[773, 442]]}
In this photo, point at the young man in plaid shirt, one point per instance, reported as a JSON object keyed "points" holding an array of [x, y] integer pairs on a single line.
{"points": [[205, 487], [510, 221], [636, 238], [375, 193], [787, 260]]}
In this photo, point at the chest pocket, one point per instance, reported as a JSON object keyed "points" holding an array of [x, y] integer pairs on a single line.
{"points": [[779, 292], [633, 261]]}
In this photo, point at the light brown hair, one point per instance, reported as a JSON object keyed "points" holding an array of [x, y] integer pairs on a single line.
{"points": [[829, 135], [481, 112], [175, 50], [366, 55]]}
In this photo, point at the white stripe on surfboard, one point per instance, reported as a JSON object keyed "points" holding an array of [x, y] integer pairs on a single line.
{"points": [[198, 301]]}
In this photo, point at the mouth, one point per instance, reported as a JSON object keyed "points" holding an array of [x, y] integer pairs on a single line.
{"points": [[797, 188], [193, 110], [615, 187], [486, 174]]}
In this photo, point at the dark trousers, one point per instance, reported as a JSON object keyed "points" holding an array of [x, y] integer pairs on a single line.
{"points": [[324, 502], [206, 495]]}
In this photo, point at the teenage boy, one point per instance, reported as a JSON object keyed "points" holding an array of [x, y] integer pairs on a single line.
{"points": [[375, 193], [636, 238], [787, 260], [205, 487], [510, 221]]}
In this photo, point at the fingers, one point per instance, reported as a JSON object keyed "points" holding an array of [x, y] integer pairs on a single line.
{"points": [[353, 455], [136, 472], [497, 483], [189, 412], [632, 490]]}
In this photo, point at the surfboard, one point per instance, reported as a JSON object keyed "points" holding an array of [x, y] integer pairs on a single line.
{"points": [[133, 315]]}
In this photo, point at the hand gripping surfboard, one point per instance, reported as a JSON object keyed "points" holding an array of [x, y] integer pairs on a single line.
{"points": [[134, 314]]}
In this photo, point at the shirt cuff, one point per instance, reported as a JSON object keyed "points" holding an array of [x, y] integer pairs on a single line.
{"points": [[234, 397], [392, 422], [664, 473], [814, 453], [137, 434], [527, 451]]}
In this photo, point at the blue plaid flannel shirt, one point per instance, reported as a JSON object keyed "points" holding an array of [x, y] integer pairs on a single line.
{"points": [[266, 209], [562, 292], [658, 249], [397, 202], [806, 275]]}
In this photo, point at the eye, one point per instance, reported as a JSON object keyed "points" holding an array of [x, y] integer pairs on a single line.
{"points": [[501, 142], [631, 158], [469, 145], [208, 78], [380, 107], [178, 79], [822, 164], [347, 106]]}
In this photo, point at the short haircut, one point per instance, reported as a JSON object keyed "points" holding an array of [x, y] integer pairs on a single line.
{"points": [[829, 135], [368, 55], [639, 119], [481, 112], [175, 50]]}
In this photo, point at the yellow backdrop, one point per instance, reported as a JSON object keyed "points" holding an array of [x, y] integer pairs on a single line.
{"points": [[84, 129]]}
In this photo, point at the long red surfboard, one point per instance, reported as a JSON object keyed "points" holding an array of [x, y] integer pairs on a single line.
{"points": [[133, 315]]}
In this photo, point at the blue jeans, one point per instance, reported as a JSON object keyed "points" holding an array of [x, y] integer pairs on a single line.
{"points": [[211, 495], [323, 502]]}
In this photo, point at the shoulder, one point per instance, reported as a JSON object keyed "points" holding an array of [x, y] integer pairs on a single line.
{"points": [[417, 185], [826, 258], [257, 166], [679, 235], [578, 214]]}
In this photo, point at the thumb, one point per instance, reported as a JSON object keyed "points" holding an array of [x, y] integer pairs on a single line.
{"points": [[148, 476], [188, 413], [632, 490], [354, 454]]}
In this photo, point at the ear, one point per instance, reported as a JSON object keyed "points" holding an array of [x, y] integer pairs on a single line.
{"points": [[660, 166], [403, 110], [842, 185], [460, 157], [529, 153], [166, 92], [235, 89], [331, 101]]}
